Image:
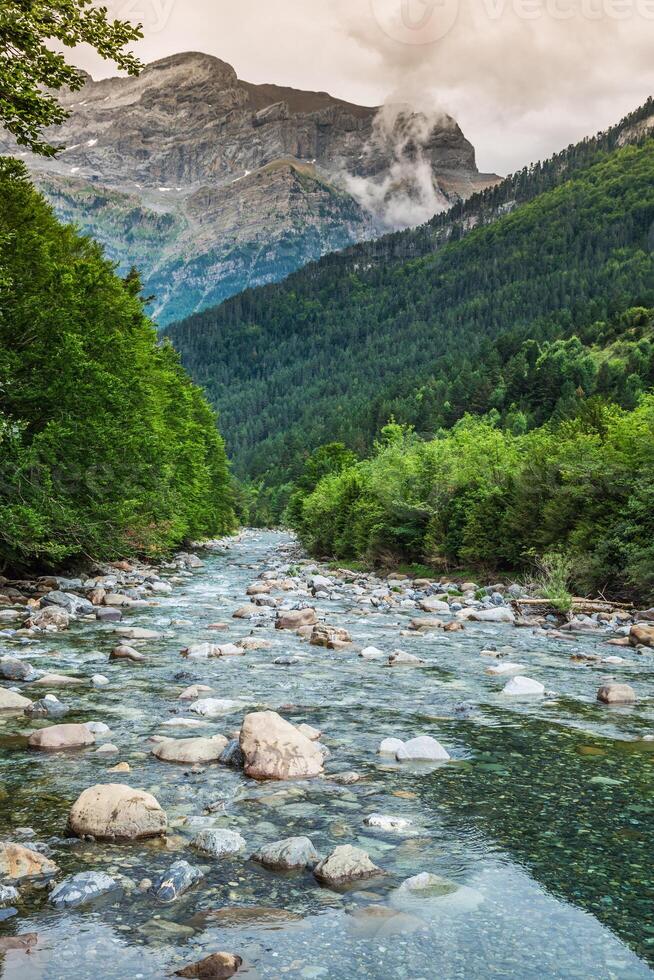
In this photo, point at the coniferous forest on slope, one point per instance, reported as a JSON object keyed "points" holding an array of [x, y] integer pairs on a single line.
{"points": [[486, 323]]}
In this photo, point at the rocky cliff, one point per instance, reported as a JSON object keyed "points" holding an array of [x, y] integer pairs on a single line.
{"points": [[210, 184]]}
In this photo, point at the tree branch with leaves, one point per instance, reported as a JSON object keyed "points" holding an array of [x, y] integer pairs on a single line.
{"points": [[31, 72]]}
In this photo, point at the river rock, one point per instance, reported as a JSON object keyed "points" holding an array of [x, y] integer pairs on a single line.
{"points": [[292, 619], [423, 748], [259, 588], [8, 894], [499, 614], [275, 749], [116, 812], [247, 612], [179, 877], [81, 888], [433, 605], [12, 669], [505, 668], [193, 692], [523, 687], [47, 707], [125, 652], [425, 624], [73, 604], [232, 755], [59, 680], [191, 750], [58, 738], [106, 614], [400, 658], [383, 821], [641, 635], [254, 643], [50, 616], [289, 854], [616, 694], [18, 862], [23, 942], [218, 966], [389, 746], [344, 865], [218, 842], [213, 707], [372, 653], [138, 633], [323, 635], [99, 680], [10, 701]]}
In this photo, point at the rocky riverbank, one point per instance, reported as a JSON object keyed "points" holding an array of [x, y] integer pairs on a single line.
{"points": [[242, 740]]}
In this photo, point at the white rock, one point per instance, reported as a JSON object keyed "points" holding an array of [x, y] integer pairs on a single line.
{"points": [[505, 668], [99, 680], [423, 748], [389, 746], [384, 822], [524, 687], [211, 707], [372, 653]]}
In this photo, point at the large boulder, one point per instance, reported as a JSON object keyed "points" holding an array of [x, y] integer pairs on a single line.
{"points": [[641, 635], [616, 694], [290, 854], [191, 750], [17, 862], [116, 812], [344, 865], [10, 701], [292, 619], [275, 749], [58, 738]]}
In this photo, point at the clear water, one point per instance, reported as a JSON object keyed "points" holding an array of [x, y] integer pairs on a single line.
{"points": [[542, 821]]}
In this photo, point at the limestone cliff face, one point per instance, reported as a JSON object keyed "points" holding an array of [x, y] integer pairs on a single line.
{"points": [[210, 184]]}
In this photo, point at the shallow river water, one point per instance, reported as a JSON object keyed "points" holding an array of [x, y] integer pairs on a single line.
{"points": [[542, 820]]}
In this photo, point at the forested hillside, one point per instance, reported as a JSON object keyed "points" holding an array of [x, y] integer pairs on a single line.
{"points": [[576, 498], [107, 447], [486, 322]]}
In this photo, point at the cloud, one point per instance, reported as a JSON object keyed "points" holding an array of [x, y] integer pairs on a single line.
{"points": [[406, 194]]}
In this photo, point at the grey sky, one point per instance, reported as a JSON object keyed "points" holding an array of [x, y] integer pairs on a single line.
{"points": [[523, 77]]}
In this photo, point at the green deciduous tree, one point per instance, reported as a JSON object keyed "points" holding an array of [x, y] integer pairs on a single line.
{"points": [[31, 71]]}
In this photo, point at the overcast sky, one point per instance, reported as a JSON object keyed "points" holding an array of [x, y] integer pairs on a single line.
{"points": [[523, 77]]}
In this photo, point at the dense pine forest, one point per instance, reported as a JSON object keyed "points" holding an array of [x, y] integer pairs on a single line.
{"points": [[107, 447], [522, 317]]}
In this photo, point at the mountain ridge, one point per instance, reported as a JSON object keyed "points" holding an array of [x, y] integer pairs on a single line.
{"points": [[188, 126]]}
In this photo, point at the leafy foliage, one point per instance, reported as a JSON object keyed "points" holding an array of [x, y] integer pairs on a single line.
{"points": [[30, 70], [580, 492], [106, 447]]}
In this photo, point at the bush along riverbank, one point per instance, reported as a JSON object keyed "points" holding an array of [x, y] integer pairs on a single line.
{"points": [[106, 447], [576, 499]]}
